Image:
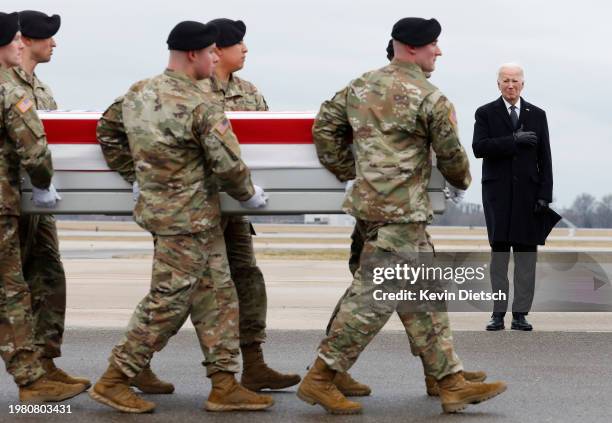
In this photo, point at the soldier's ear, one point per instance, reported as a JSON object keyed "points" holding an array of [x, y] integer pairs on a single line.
{"points": [[192, 55], [412, 50], [27, 41]]}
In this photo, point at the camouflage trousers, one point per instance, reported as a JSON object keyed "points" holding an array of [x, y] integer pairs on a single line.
{"points": [[16, 335], [44, 272], [190, 278], [357, 318], [358, 238], [247, 277]]}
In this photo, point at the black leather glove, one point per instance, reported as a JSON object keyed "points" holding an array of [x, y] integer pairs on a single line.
{"points": [[540, 206], [526, 138]]}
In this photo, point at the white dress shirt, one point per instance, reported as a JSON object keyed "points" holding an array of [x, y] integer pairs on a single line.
{"points": [[517, 105]]}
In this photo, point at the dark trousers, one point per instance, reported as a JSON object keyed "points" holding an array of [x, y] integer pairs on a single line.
{"points": [[525, 257]]}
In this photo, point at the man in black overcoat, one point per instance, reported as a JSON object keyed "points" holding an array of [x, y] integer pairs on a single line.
{"points": [[511, 136]]}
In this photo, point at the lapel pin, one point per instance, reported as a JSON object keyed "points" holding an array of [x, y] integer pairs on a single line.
{"points": [[526, 110]]}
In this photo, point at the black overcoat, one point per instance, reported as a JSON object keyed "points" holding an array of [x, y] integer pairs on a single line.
{"points": [[513, 176]]}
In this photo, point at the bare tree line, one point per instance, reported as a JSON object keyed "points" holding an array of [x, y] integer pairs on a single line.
{"points": [[585, 212], [588, 212]]}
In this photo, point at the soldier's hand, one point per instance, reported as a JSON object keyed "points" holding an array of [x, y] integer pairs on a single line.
{"points": [[257, 201], [45, 198], [540, 206], [526, 138], [135, 191], [455, 195]]}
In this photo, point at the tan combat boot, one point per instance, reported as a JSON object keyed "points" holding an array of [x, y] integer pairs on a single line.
{"points": [[456, 393], [318, 388], [113, 389], [432, 385], [256, 375], [58, 375], [228, 395], [349, 386], [44, 389], [149, 383]]}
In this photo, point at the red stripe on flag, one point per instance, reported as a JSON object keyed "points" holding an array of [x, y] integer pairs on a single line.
{"points": [[273, 131], [248, 131], [70, 131]]}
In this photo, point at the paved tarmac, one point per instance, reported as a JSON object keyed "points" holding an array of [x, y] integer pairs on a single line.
{"points": [[301, 296], [552, 377]]}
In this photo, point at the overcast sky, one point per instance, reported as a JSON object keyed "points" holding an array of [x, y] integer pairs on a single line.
{"points": [[301, 52]]}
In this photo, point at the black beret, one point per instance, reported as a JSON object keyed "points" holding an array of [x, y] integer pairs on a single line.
{"points": [[390, 52], [191, 35], [36, 24], [9, 25], [416, 32], [230, 32]]}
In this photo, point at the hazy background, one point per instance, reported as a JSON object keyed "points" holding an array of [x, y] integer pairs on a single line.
{"points": [[301, 52]]}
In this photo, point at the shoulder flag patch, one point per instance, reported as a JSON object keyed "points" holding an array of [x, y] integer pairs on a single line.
{"points": [[222, 127], [24, 104]]}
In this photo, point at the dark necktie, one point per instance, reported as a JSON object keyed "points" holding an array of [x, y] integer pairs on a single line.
{"points": [[514, 117]]}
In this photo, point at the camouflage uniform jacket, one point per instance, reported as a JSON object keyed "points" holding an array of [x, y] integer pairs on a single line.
{"points": [[38, 91], [22, 143], [239, 95], [168, 136], [396, 117]]}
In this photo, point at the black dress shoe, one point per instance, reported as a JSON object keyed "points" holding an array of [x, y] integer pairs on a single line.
{"points": [[520, 323], [496, 323]]}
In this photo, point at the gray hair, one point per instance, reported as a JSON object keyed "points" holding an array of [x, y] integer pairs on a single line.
{"points": [[510, 65]]}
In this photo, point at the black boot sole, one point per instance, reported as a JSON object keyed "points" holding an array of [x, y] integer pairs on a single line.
{"points": [[524, 329]]}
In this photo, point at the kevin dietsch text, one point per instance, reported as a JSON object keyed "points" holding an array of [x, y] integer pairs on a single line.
{"points": [[428, 295]]}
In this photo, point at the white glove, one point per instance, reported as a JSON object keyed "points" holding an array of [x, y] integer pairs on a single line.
{"points": [[257, 201], [46, 198], [349, 186], [455, 194], [135, 191]]}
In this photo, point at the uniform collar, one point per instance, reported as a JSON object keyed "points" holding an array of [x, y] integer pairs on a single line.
{"points": [[408, 66], [5, 74], [215, 85], [180, 76], [218, 86], [24, 76]]}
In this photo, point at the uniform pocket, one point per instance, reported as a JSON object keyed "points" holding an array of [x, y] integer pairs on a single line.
{"points": [[400, 237], [34, 124]]}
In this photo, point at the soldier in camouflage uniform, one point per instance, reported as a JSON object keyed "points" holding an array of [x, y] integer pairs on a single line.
{"points": [[395, 116], [236, 94], [167, 136], [40, 255], [343, 380], [22, 144]]}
